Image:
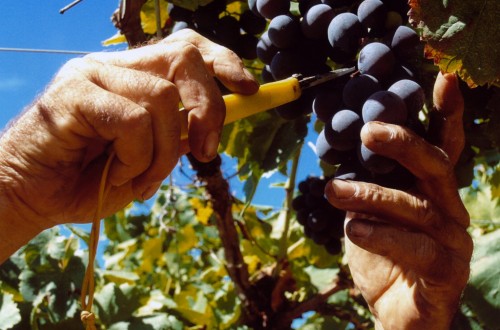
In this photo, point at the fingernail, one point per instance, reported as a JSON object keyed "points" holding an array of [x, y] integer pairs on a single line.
{"points": [[211, 145], [380, 132], [359, 229], [151, 190], [248, 74], [342, 189]]}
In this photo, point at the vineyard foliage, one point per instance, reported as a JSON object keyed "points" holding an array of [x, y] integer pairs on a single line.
{"points": [[179, 262]]}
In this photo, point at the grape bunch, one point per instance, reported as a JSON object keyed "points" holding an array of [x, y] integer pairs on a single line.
{"points": [[236, 32], [370, 35], [322, 222]]}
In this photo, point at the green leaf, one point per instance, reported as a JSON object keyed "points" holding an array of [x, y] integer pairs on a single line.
{"points": [[9, 313], [321, 278], [154, 322], [461, 36], [117, 303], [483, 292]]}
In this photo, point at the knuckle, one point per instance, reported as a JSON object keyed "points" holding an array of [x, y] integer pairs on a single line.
{"points": [[136, 119], [425, 212], [163, 89]]}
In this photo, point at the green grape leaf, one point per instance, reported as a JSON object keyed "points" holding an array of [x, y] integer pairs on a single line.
{"points": [[9, 313], [262, 143], [154, 322], [483, 291], [116, 303], [461, 37]]}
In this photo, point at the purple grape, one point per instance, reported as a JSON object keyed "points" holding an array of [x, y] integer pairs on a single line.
{"points": [[326, 103], [358, 89], [372, 14], [411, 93], [265, 49], [272, 8], [283, 31], [376, 59], [315, 22], [343, 133], [374, 162], [385, 106], [344, 32]]}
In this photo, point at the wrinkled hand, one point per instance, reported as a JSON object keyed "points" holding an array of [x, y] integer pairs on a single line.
{"points": [[52, 157], [409, 252]]}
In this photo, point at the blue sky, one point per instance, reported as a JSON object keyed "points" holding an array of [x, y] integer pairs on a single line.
{"points": [[38, 24]]}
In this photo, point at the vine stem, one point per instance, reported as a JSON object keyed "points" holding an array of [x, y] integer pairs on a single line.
{"points": [[289, 189]]}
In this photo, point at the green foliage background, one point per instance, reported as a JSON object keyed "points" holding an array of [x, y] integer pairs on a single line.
{"points": [[164, 265]]}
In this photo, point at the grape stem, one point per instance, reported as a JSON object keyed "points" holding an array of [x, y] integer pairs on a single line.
{"points": [[287, 208]]}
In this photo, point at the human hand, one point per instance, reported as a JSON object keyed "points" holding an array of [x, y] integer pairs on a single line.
{"points": [[52, 156], [409, 252]]}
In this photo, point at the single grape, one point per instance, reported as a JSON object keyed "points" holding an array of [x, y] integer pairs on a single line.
{"points": [[227, 30], [177, 13], [317, 187], [266, 74], [344, 33], [372, 14], [304, 187], [326, 103], [343, 133], [385, 106], [302, 216], [337, 3], [398, 178], [376, 59], [265, 49], [411, 93], [272, 8], [333, 246], [304, 5], [299, 202], [246, 46], [318, 220], [285, 63], [326, 153], [403, 42], [283, 31], [374, 162], [358, 89], [315, 22], [352, 170], [251, 23]]}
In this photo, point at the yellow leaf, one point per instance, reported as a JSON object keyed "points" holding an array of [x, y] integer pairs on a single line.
{"points": [[203, 210], [152, 251], [252, 262], [186, 239], [118, 38]]}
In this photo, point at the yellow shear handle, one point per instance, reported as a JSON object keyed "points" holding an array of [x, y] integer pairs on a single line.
{"points": [[239, 106]]}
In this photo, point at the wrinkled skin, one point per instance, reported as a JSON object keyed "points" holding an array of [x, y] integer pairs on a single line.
{"points": [[409, 252], [52, 156]]}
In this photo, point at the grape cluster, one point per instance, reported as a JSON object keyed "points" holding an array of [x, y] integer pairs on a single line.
{"points": [[368, 34], [213, 21], [322, 222]]}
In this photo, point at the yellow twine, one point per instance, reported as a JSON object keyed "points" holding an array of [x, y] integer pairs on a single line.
{"points": [[87, 317]]}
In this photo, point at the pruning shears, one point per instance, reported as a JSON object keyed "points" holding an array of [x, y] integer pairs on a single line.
{"points": [[268, 96]]}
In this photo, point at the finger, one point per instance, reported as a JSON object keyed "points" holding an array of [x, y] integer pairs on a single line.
{"points": [[181, 63], [445, 125], [416, 250], [221, 62], [160, 98], [113, 117], [399, 208], [427, 162]]}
